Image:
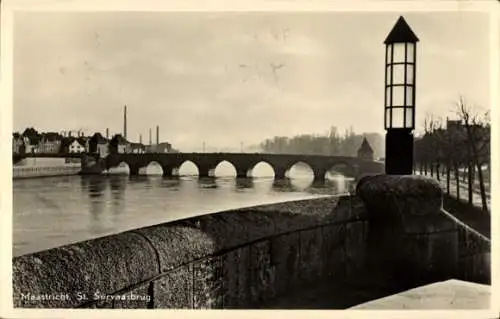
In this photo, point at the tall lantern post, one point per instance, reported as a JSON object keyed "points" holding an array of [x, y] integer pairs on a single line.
{"points": [[399, 111]]}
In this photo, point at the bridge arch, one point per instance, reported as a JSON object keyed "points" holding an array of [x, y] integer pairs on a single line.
{"points": [[188, 168], [300, 169], [262, 169], [225, 168], [123, 168], [152, 168], [342, 168]]}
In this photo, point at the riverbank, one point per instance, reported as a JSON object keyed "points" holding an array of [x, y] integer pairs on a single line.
{"points": [[23, 172]]}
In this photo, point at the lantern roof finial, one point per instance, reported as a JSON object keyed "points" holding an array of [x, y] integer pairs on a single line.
{"points": [[401, 32]]}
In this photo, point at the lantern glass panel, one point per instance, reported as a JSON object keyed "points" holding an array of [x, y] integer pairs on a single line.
{"points": [[410, 49], [399, 53], [398, 117], [387, 118], [409, 96], [409, 74], [398, 95], [389, 54], [409, 117], [388, 96], [388, 77], [398, 74]]}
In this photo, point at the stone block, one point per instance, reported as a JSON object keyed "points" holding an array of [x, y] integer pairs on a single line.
{"points": [[262, 272], [444, 254], [355, 235], [391, 196], [108, 264], [336, 266], [207, 283], [471, 243], [285, 252], [311, 259], [174, 289], [475, 268], [179, 243], [355, 246], [236, 278]]}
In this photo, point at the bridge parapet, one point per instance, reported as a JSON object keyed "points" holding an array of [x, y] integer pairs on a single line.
{"points": [[234, 259], [416, 239], [248, 257]]}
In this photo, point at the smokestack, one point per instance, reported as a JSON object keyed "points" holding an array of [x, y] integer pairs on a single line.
{"points": [[125, 122], [150, 141], [140, 138], [107, 133], [157, 134]]}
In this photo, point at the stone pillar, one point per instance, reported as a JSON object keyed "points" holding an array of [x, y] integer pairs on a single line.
{"points": [[134, 170], [409, 237], [167, 171], [319, 174], [243, 171], [205, 171], [279, 172]]}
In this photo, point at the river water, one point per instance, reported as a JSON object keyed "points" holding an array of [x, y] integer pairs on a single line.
{"points": [[54, 211]]}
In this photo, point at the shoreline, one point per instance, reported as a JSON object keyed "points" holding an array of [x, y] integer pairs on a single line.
{"points": [[30, 172]]}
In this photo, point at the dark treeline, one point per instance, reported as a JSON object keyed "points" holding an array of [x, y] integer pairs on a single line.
{"points": [[458, 152], [331, 143]]}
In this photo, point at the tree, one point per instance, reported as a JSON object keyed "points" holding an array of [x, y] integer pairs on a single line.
{"points": [[477, 140], [65, 143], [32, 134], [464, 144]]}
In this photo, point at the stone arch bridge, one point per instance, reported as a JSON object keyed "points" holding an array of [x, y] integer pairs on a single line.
{"points": [[245, 162]]}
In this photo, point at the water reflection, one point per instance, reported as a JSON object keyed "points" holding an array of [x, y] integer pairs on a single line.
{"points": [[117, 185], [243, 183], [207, 183], [284, 185], [95, 185], [171, 183]]}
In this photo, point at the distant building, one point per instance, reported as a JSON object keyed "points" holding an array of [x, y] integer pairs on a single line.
{"points": [[123, 146], [49, 144], [137, 148], [365, 151], [164, 147], [76, 147], [17, 144]]}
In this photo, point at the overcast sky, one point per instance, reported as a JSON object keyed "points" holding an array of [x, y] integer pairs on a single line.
{"points": [[224, 78]]}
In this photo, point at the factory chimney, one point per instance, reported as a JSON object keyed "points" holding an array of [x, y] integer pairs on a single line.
{"points": [[150, 137], [125, 122], [157, 135], [107, 133], [140, 138]]}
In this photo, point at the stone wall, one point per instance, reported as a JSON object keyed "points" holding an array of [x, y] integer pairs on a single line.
{"points": [[44, 171], [472, 215], [414, 238], [233, 259]]}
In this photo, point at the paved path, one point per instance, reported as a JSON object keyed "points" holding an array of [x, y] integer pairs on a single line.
{"points": [[476, 195], [450, 294]]}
